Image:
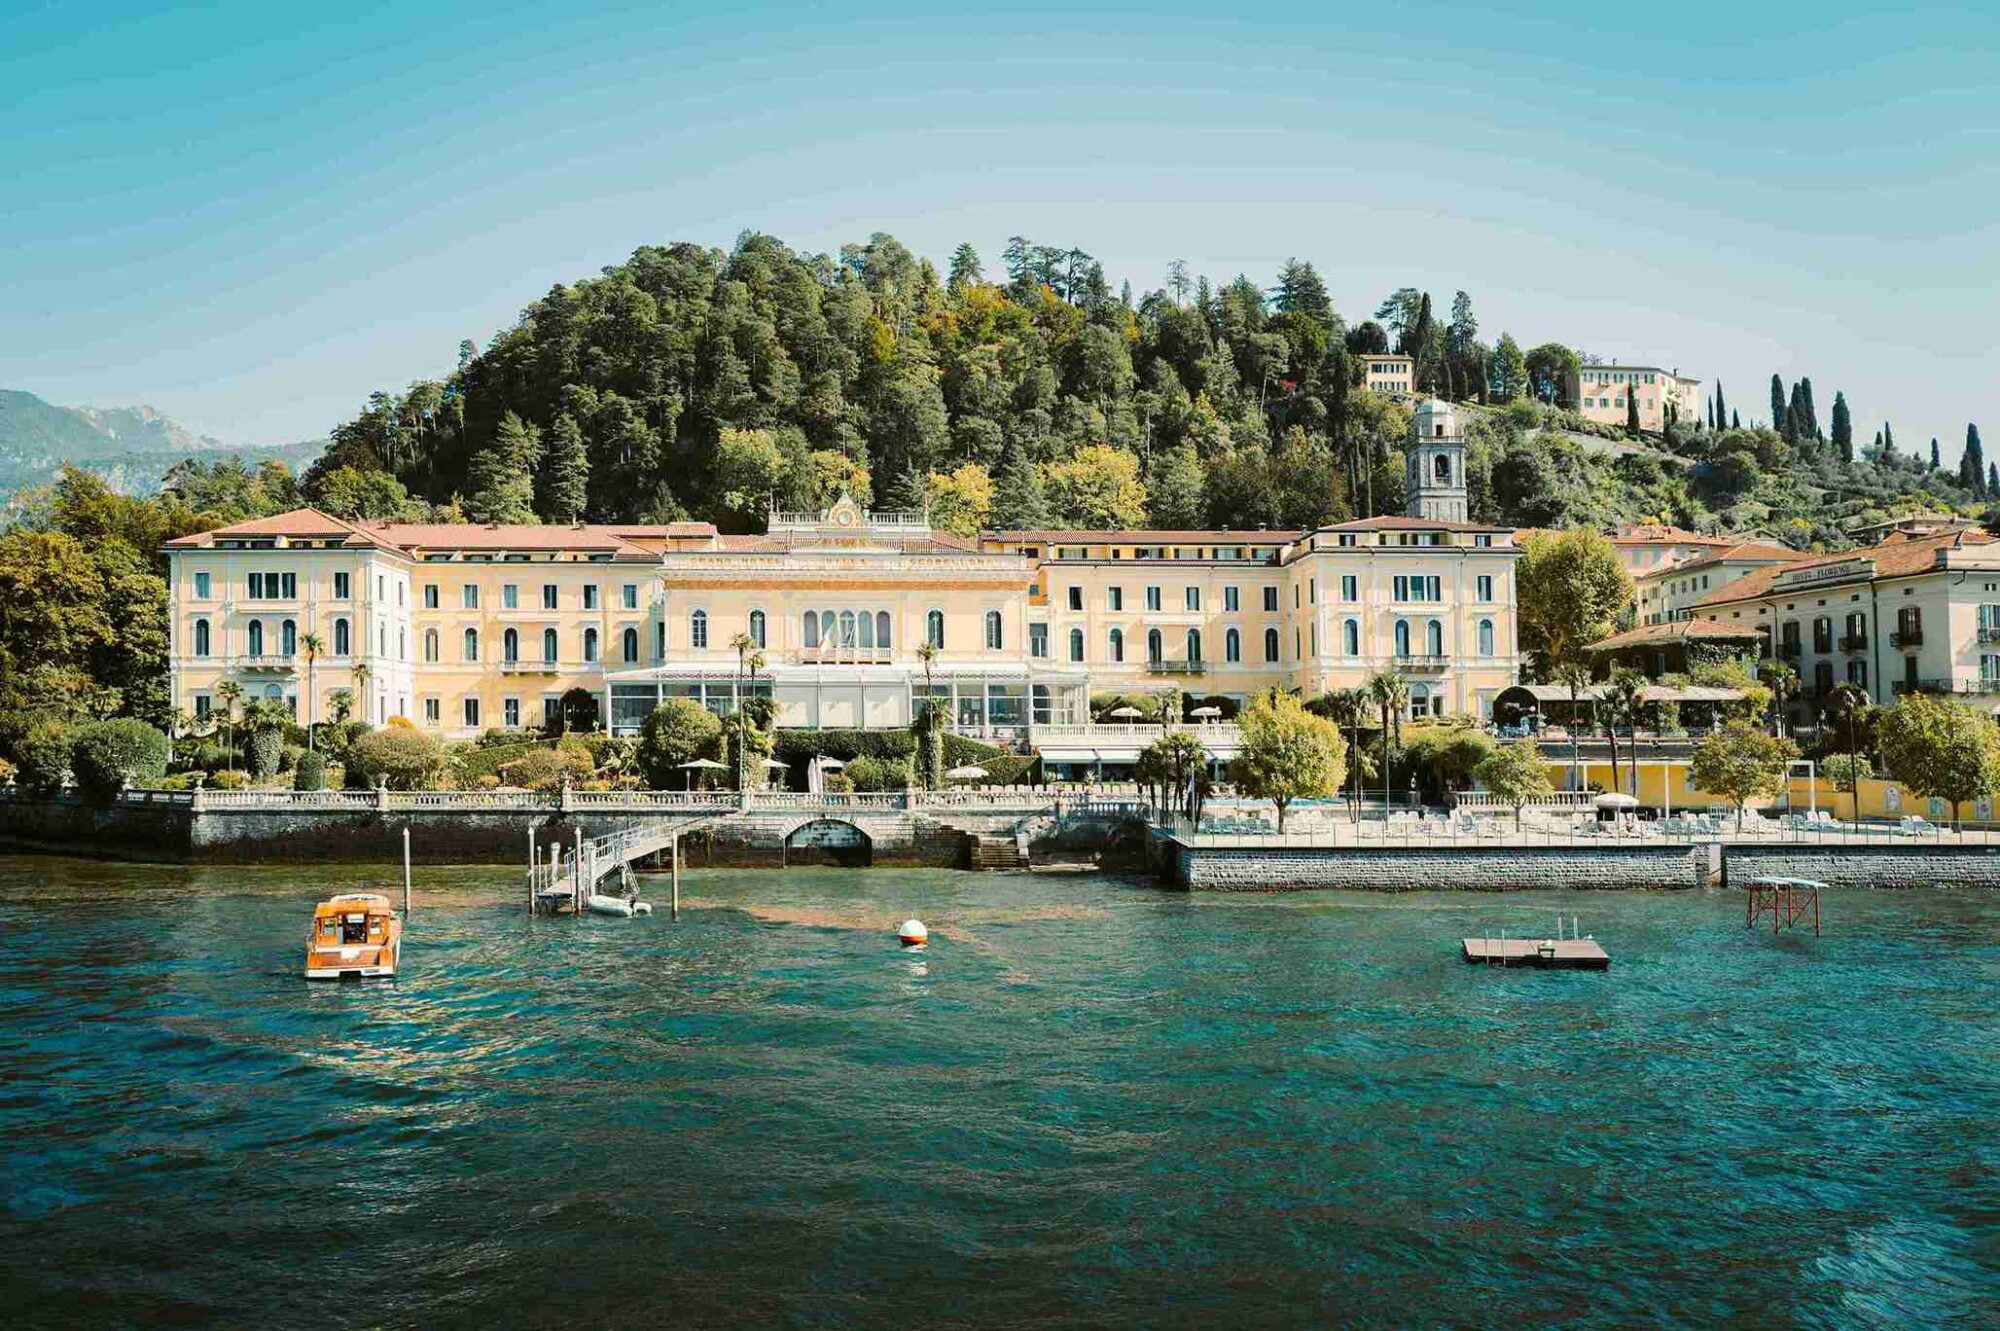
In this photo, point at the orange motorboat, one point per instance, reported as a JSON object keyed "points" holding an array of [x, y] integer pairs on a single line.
{"points": [[355, 936]]}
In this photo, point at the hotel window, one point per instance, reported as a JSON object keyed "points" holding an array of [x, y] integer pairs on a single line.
{"points": [[548, 596], [1350, 587], [1350, 637], [993, 630], [1232, 646], [1486, 637], [550, 645], [430, 645], [1191, 597], [1312, 591], [1153, 646], [1434, 639], [201, 586], [810, 624], [433, 714], [631, 595], [590, 646], [203, 704], [1194, 644], [1418, 587], [590, 596], [430, 596], [1823, 635], [630, 641], [256, 637], [510, 596], [469, 595], [510, 647], [1152, 598], [1229, 600], [1402, 637], [472, 711], [934, 629], [1117, 640], [471, 646], [1857, 673], [510, 713], [757, 627], [847, 635], [1038, 640], [340, 586], [1482, 541], [552, 717], [1483, 586], [698, 630], [1076, 644], [1270, 644], [1270, 599], [1076, 598], [201, 637], [881, 629], [1117, 595]]}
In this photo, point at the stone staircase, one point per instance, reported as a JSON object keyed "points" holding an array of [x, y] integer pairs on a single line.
{"points": [[999, 853]]}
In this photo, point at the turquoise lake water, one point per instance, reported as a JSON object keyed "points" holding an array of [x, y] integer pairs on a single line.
{"points": [[1088, 1103]]}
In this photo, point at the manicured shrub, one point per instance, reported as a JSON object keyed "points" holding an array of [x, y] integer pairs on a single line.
{"points": [[310, 774], [41, 754], [401, 755], [400, 723], [676, 732], [545, 768], [230, 780], [108, 756], [264, 754], [879, 773], [178, 781]]}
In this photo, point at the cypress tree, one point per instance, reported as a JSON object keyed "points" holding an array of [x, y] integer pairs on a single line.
{"points": [[1018, 502], [1843, 430], [1778, 405], [568, 480], [1993, 478], [1709, 404], [1809, 415], [1632, 410], [1735, 420], [1794, 418], [1888, 438], [1936, 462], [1972, 463]]}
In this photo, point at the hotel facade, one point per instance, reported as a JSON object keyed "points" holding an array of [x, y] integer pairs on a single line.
{"points": [[846, 619]]}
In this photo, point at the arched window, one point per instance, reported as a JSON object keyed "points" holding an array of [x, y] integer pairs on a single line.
{"points": [[1232, 646], [1441, 468], [992, 630], [698, 629], [882, 628], [1153, 649], [1486, 637], [1117, 644], [810, 623], [829, 629], [934, 629], [757, 627], [1270, 644], [551, 646], [256, 637], [1194, 644], [201, 637], [847, 628], [1350, 637], [1402, 637], [430, 644], [1076, 644], [472, 644], [510, 646], [1434, 638], [866, 628], [288, 637], [343, 643], [631, 646], [590, 645]]}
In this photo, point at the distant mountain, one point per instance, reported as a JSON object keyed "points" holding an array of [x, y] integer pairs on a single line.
{"points": [[129, 446]]}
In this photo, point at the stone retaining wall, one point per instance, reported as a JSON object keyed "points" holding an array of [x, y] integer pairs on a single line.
{"points": [[1867, 866], [1479, 869]]}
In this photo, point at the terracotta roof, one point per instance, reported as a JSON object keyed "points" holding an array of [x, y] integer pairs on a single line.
{"points": [[1653, 533], [1745, 551], [1898, 556], [300, 522], [475, 536], [1388, 522], [1679, 630], [1141, 536]]}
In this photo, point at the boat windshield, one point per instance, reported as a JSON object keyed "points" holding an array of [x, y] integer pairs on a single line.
{"points": [[354, 928]]}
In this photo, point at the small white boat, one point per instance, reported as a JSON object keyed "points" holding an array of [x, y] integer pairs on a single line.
{"points": [[623, 907]]}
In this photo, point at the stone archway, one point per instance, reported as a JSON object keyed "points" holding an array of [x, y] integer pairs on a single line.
{"points": [[829, 841]]}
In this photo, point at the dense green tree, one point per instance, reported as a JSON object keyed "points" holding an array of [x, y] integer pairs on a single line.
{"points": [[1972, 462], [1019, 503], [1510, 370], [965, 269], [1779, 406], [1287, 753], [1940, 748], [1937, 461], [1569, 587], [1552, 374], [1741, 762], [1300, 291], [1843, 431], [566, 488], [1175, 495], [502, 478], [1515, 774]]}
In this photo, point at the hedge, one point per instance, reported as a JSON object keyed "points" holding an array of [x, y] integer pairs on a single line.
{"points": [[42, 755], [403, 756], [797, 747], [311, 771], [264, 755], [108, 756]]}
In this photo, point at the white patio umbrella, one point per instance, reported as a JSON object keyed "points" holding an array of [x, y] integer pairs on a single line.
{"points": [[773, 762], [701, 764], [966, 773], [1612, 799], [1128, 711], [830, 764], [1206, 712]]}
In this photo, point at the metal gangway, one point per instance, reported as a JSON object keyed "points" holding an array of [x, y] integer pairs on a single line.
{"points": [[562, 877]]}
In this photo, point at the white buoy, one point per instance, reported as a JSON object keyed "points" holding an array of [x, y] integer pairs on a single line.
{"points": [[913, 933]]}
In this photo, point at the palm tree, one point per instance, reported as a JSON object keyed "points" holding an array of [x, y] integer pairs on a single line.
{"points": [[230, 692], [1574, 676], [1624, 699], [1346, 708], [926, 653], [361, 674], [1847, 702], [1783, 681], [312, 645], [341, 702], [1391, 693]]}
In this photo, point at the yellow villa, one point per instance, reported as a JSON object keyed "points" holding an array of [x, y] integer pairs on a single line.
{"points": [[462, 628]]}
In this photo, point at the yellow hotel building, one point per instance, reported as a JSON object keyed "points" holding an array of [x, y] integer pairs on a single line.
{"points": [[462, 628]]}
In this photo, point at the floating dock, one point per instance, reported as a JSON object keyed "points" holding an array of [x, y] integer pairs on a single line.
{"points": [[1562, 954]]}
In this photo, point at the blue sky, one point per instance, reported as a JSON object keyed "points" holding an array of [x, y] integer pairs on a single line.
{"points": [[251, 219]]}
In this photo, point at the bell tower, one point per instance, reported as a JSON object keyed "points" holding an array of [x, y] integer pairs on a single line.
{"points": [[1434, 467]]}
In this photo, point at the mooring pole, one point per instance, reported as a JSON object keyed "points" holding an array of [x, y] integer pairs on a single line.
{"points": [[532, 866], [578, 877], [675, 846], [406, 873]]}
